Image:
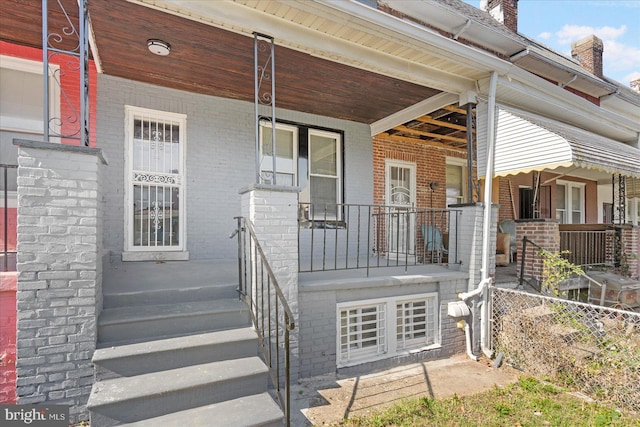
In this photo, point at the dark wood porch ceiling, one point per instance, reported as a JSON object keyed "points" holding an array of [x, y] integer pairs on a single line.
{"points": [[212, 61]]}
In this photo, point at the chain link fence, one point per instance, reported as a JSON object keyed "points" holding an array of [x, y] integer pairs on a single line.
{"points": [[585, 347]]}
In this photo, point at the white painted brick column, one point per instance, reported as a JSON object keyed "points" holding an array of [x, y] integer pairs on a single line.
{"points": [[273, 211], [59, 290], [470, 241]]}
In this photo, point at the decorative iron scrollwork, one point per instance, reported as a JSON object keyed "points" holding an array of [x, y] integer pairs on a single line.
{"points": [[67, 47], [155, 178]]}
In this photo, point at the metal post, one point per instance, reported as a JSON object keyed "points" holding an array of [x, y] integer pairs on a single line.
{"points": [[45, 71], [523, 258], [6, 219], [469, 153]]}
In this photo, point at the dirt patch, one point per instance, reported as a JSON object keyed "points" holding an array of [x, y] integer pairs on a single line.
{"points": [[328, 399]]}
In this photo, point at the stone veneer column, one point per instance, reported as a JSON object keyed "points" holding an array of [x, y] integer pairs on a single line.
{"points": [[273, 211], [59, 290]]}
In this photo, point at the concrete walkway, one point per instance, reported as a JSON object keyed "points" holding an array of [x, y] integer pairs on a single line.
{"points": [[327, 399]]}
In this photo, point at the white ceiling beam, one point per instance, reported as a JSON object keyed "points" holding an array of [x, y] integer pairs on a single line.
{"points": [[420, 109]]}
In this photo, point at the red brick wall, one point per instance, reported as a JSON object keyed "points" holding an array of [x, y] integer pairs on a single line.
{"points": [[430, 166], [70, 86], [11, 228], [69, 82], [544, 233], [8, 337], [630, 237]]}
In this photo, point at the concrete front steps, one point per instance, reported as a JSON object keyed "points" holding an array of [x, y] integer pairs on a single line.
{"points": [[179, 358]]}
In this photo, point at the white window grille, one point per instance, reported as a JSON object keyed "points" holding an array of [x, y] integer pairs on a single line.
{"points": [[155, 175], [362, 332], [375, 329], [416, 323]]}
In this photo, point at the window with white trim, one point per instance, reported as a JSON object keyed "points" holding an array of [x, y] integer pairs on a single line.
{"points": [[376, 329], [415, 323], [307, 157], [570, 202], [455, 181], [22, 86], [362, 332]]}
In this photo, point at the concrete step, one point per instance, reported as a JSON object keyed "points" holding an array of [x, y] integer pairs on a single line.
{"points": [[171, 353], [165, 296], [255, 410], [130, 399], [143, 323]]}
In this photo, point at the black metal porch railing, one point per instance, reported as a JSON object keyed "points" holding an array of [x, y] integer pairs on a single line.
{"points": [[8, 220], [270, 313], [353, 236]]}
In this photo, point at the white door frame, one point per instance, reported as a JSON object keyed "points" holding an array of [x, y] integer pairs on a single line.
{"points": [[395, 207], [166, 181]]}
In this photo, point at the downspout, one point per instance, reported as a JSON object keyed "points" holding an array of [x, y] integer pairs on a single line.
{"points": [[485, 281]]}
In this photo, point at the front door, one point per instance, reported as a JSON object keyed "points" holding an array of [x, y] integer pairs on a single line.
{"points": [[155, 181], [400, 180]]}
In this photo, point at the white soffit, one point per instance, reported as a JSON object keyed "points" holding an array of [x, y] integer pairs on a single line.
{"points": [[526, 143]]}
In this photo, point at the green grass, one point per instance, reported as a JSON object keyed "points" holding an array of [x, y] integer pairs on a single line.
{"points": [[528, 402]]}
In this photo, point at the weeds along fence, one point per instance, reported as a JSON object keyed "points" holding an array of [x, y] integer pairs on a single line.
{"points": [[585, 347]]}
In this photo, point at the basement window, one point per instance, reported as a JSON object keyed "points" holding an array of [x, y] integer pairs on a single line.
{"points": [[376, 329]]}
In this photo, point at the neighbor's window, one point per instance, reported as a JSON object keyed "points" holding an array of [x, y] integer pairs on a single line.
{"points": [[375, 329], [455, 181], [570, 202]]}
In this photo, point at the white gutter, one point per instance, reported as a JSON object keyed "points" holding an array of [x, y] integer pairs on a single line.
{"points": [[485, 282], [488, 180]]}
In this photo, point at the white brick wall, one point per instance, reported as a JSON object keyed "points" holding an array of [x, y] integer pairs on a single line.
{"points": [[220, 159], [59, 292]]}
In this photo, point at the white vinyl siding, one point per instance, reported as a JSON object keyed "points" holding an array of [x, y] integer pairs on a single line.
{"points": [[375, 329], [526, 142]]}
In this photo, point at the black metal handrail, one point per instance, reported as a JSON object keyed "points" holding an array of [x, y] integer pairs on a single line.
{"points": [[270, 313], [5, 206], [353, 236], [523, 259]]}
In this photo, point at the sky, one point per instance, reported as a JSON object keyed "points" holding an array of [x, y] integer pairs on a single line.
{"points": [[558, 23]]}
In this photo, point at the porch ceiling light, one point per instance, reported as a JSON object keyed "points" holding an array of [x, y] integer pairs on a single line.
{"points": [[158, 47]]}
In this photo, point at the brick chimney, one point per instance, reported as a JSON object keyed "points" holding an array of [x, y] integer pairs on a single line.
{"points": [[588, 52], [503, 11]]}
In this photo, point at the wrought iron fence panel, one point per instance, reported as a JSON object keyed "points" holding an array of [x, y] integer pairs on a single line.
{"points": [[352, 236]]}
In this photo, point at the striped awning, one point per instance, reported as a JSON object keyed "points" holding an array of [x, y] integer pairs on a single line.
{"points": [[526, 143]]}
